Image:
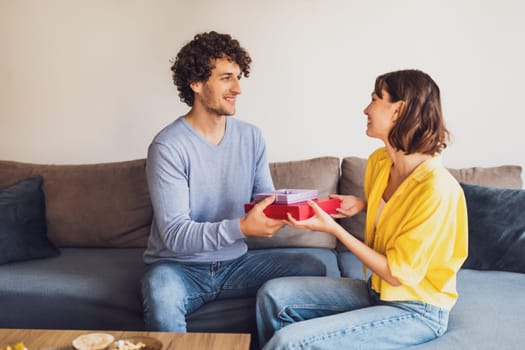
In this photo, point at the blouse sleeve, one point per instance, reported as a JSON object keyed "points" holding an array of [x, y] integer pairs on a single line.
{"points": [[432, 237]]}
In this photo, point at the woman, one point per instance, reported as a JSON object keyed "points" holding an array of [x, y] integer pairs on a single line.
{"points": [[415, 238]]}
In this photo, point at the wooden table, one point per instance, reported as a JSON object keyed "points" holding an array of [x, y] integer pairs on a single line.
{"points": [[34, 339]]}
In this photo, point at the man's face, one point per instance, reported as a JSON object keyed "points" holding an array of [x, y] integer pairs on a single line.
{"points": [[218, 94]]}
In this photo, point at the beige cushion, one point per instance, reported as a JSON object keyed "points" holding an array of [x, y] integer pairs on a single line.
{"points": [[318, 173], [505, 176], [353, 172], [95, 205]]}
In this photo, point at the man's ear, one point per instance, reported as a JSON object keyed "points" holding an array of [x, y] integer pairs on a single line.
{"points": [[196, 86]]}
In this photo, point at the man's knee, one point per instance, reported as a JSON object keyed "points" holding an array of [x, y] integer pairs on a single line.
{"points": [[163, 294], [162, 279]]}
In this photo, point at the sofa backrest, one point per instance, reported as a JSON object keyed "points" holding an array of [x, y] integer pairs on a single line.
{"points": [[93, 205], [108, 205]]}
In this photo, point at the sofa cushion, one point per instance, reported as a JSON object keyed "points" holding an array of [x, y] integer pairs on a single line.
{"points": [[23, 230], [353, 173], [319, 173], [91, 205], [352, 182], [83, 288], [505, 176], [350, 265], [496, 227], [487, 315]]}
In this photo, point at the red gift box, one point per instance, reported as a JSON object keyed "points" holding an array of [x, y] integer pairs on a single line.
{"points": [[300, 211]]}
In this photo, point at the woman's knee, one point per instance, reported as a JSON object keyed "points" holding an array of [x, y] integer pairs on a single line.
{"points": [[267, 290], [280, 291]]}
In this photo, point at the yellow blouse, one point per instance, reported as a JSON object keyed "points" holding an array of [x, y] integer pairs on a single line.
{"points": [[422, 230]]}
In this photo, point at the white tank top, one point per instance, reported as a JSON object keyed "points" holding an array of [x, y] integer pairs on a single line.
{"points": [[379, 211]]}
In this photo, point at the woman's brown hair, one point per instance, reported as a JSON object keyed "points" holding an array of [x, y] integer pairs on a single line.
{"points": [[420, 127]]}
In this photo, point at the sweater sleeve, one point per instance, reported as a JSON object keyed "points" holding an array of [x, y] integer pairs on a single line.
{"points": [[263, 178], [168, 186]]}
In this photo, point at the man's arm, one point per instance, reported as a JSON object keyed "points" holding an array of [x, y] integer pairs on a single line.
{"points": [[263, 179], [168, 186], [169, 191]]}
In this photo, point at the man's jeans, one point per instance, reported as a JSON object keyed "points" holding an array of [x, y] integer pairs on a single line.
{"points": [[340, 313], [171, 290]]}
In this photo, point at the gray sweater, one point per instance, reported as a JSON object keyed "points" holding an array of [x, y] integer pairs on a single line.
{"points": [[198, 191]]}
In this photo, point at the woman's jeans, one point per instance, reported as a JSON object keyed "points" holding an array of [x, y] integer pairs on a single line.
{"points": [[340, 313], [171, 290]]}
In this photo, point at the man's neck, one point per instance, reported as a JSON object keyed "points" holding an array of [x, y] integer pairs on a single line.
{"points": [[211, 126]]}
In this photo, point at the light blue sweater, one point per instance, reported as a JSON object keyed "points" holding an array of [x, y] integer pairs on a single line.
{"points": [[198, 191]]}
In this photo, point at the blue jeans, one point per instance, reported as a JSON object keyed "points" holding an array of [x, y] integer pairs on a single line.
{"points": [[340, 313], [171, 290]]}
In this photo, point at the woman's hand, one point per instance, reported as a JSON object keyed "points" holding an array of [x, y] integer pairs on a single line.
{"points": [[321, 221], [350, 205]]}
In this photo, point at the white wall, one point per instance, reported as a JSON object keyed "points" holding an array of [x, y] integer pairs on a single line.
{"points": [[86, 81]]}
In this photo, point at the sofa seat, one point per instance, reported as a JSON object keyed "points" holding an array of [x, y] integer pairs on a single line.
{"points": [[487, 314], [83, 288], [99, 288]]}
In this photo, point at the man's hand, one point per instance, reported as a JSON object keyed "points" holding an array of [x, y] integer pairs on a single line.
{"points": [[256, 224]]}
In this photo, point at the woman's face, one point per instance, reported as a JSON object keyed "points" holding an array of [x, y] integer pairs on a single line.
{"points": [[381, 115]]}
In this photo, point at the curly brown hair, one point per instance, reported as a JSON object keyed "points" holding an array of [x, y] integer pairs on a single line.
{"points": [[420, 127], [195, 61]]}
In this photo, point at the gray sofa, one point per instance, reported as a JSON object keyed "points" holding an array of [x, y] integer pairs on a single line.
{"points": [[98, 215]]}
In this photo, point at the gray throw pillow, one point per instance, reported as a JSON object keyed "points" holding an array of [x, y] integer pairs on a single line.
{"points": [[496, 226], [23, 230]]}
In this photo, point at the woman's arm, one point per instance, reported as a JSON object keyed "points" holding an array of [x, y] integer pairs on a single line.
{"points": [[321, 221], [373, 260]]}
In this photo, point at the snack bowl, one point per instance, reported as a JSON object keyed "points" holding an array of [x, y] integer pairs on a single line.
{"points": [[93, 341]]}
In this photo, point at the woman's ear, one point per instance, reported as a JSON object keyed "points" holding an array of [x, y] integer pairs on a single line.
{"points": [[399, 106]]}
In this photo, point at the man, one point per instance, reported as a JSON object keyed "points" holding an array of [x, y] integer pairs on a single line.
{"points": [[201, 169]]}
